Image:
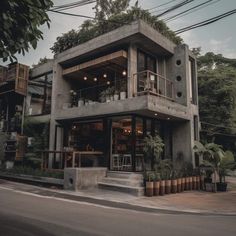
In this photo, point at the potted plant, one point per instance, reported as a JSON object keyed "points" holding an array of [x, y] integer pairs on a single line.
{"points": [[212, 155], [156, 184], [116, 95], [123, 89], [80, 102], [227, 162], [152, 149], [162, 184], [165, 168], [111, 93], [102, 96], [174, 182], [149, 180], [179, 182], [73, 96]]}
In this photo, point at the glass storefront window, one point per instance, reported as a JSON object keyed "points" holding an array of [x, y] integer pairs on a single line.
{"points": [[139, 132], [121, 145]]}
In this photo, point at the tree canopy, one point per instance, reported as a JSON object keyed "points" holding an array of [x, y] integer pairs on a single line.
{"points": [[217, 99], [20, 22], [109, 15]]}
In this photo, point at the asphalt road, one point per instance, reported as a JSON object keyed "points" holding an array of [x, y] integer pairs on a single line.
{"points": [[22, 213]]}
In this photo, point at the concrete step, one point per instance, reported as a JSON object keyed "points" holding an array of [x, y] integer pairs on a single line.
{"points": [[122, 181], [136, 191], [125, 175]]}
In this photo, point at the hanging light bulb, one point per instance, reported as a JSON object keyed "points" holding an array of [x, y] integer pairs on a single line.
{"points": [[105, 75], [85, 78], [108, 82], [124, 73], [95, 79]]}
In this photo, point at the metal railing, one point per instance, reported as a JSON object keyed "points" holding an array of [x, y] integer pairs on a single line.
{"points": [[115, 90], [149, 82]]}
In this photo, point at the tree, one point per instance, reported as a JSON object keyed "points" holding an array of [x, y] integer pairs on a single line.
{"points": [[41, 61], [217, 99], [20, 22], [109, 15]]}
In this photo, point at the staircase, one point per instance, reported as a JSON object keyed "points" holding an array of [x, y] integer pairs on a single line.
{"points": [[126, 182]]}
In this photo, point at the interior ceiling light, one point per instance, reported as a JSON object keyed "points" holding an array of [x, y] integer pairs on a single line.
{"points": [[108, 82], [124, 72], [155, 114], [85, 78], [95, 79], [168, 118], [105, 75]]}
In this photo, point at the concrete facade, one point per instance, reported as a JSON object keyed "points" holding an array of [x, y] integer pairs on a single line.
{"points": [[172, 63]]}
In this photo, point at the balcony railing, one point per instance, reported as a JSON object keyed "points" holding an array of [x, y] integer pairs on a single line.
{"points": [[115, 90], [149, 82], [146, 82]]}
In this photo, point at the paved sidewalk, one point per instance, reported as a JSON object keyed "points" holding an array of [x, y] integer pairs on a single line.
{"points": [[196, 202]]}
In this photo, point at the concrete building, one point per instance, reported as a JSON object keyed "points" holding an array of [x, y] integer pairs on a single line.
{"points": [[113, 90], [103, 97]]}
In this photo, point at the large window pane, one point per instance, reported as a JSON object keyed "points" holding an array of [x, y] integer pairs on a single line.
{"points": [[121, 150]]}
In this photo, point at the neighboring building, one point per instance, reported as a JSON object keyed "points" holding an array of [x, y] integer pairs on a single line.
{"points": [[24, 98], [13, 91], [110, 92]]}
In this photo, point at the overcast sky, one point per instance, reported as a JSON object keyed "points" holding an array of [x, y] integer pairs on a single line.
{"points": [[219, 37]]}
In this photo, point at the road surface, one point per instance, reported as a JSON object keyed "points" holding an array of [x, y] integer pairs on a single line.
{"points": [[26, 214]]}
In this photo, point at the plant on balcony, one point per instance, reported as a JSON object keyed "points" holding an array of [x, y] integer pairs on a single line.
{"points": [[73, 96], [116, 95], [107, 94], [123, 89]]}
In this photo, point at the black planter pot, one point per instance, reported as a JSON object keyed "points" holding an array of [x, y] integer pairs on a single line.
{"points": [[221, 187]]}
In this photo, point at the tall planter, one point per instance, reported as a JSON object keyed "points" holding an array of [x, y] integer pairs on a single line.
{"points": [[174, 185], [202, 183], [156, 188], [186, 187], [162, 187], [149, 188], [182, 184], [179, 185], [194, 178], [168, 186], [198, 183], [190, 183]]}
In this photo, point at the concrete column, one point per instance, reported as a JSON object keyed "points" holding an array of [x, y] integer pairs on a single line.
{"points": [[132, 69], [60, 95], [183, 139]]}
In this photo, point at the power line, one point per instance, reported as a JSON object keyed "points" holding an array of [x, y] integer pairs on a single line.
{"points": [[71, 14], [160, 5], [205, 22], [88, 17], [183, 3], [219, 126], [175, 18], [201, 4], [218, 133], [72, 5]]}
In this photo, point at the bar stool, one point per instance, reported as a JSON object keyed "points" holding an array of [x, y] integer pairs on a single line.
{"points": [[127, 162], [116, 162]]}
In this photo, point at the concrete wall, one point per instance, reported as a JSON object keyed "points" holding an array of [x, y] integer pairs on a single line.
{"points": [[83, 178]]}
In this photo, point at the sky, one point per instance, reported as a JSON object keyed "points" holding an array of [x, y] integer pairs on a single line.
{"points": [[219, 37]]}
